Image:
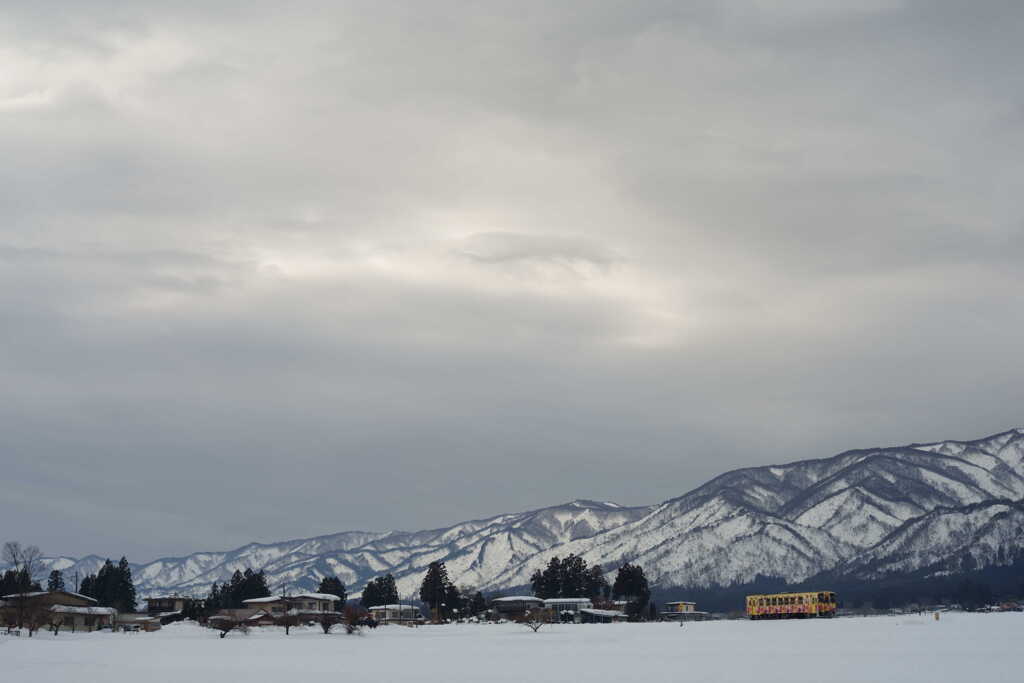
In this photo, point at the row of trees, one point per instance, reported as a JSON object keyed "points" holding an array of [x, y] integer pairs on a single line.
{"points": [[569, 578], [111, 586], [380, 591], [244, 585], [445, 599]]}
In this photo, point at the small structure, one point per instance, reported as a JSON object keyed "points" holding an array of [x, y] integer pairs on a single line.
{"points": [[682, 610], [86, 618], [138, 622], [260, 618], [601, 616], [396, 614], [169, 608], [515, 607], [567, 609]]}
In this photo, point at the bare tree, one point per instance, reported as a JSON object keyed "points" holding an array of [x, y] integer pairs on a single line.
{"points": [[23, 559], [26, 562], [289, 618], [351, 618], [327, 620], [57, 620], [226, 624], [36, 616], [534, 619]]}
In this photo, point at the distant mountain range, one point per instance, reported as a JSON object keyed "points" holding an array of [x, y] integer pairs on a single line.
{"points": [[929, 509]]}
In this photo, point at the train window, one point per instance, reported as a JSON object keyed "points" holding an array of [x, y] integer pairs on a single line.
{"points": [[821, 597]]}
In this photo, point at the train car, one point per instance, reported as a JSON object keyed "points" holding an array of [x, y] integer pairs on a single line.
{"points": [[792, 605]]}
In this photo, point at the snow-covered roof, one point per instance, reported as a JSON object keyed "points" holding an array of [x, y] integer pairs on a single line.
{"points": [[317, 596], [603, 612], [136, 618], [405, 606], [65, 609], [36, 594], [681, 602], [573, 601], [280, 598], [518, 598]]}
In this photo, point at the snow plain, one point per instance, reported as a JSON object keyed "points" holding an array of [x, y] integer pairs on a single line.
{"points": [[958, 647]]}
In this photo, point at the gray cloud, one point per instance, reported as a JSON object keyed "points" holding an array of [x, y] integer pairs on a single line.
{"points": [[260, 263]]}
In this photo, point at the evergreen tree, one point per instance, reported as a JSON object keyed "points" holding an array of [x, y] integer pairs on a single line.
{"points": [[253, 585], [380, 591], [215, 600], [437, 589], [125, 587], [111, 586], [477, 604], [568, 578], [233, 591], [371, 595], [631, 585], [574, 577], [87, 587], [332, 585], [596, 586], [55, 582], [17, 581], [388, 589], [548, 583]]}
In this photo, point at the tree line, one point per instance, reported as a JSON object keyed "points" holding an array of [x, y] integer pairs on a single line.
{"points": [[572, 578]]}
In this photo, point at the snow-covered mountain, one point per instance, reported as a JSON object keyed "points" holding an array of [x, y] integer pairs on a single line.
{"points": [[934, 507]]}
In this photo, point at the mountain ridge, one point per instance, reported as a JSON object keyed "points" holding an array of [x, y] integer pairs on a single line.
{"points": [[791, 521]]}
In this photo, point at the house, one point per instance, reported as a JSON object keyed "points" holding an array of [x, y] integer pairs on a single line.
{"points": [[682, 610], [515, 606], [71, 610], [601, 616], [403, 614], [304, 603], [567, 609], [168, 608], [165, 604]]}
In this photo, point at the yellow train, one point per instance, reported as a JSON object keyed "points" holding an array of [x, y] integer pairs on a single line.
{"points": [[792, 605]]}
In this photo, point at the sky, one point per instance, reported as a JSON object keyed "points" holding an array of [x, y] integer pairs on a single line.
{"points": [[271, 270]]}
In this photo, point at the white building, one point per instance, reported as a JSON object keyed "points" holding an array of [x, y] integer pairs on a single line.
{"points": [[395, 613], [567, 609]]}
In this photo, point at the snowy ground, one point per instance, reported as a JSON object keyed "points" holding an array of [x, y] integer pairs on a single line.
{"points": [[959, 647]]}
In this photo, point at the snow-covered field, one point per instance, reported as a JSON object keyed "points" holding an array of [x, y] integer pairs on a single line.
{"points": [[959, 647]]}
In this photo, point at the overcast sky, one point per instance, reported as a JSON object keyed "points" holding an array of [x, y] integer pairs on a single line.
{"points": [[271, 270]]}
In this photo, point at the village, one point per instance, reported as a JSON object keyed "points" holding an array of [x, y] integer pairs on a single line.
{"points": [[62, 610]]}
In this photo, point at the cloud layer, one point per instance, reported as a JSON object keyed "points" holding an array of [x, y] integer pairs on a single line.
{"points": [[271, 271]]}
